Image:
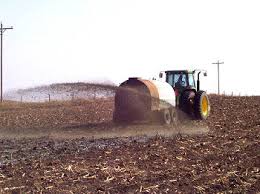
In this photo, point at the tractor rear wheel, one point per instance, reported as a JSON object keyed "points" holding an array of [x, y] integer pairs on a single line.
{"points": [[201, 105]]}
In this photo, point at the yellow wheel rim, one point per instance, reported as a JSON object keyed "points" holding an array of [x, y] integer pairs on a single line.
{"points": [[204, 106]]}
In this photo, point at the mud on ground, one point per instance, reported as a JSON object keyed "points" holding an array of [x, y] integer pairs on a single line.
{"points": [[225, 159]]}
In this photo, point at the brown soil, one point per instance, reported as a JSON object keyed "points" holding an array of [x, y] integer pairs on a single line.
{"points": [[79, 118], [55, 150]]}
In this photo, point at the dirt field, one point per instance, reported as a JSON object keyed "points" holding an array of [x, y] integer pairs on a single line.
{"points": [[73, 147]]}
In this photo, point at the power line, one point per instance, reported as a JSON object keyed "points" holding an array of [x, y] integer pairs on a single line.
{"points": [[2, 30], [218, 63]]}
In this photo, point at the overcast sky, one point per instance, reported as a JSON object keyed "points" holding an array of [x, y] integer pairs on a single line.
{"points": [[79, 40]]}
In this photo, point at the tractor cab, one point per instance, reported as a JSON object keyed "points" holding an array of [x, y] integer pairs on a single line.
{"points": [[189, 97], [181, 80]]}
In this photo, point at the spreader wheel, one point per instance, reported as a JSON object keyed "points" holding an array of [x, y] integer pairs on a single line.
{"points": [[166, 116], [201, 105], [174, 116]]}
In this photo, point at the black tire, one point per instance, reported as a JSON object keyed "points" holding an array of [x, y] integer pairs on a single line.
{"points": [[186, 102], [201, 105], [166, 117]]}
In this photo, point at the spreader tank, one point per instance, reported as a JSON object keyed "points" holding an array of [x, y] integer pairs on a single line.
{"points": [[136, 98]]}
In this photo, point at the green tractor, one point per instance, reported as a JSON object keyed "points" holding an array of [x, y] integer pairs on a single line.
{"points": [[189, 98]]}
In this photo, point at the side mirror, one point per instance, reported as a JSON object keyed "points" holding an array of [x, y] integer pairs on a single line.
{"points": [[160, 75], [205, 74]]}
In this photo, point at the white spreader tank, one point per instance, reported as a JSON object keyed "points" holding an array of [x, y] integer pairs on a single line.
{"points": [[165, 93], [138, 98]]}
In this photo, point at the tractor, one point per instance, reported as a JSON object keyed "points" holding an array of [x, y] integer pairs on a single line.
{"points": [[189, 98], [175, 92]]}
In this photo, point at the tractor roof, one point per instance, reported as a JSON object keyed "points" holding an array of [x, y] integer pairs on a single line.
{"points": [[179, 71]]}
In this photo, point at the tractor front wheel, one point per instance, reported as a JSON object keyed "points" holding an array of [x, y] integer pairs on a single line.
{"points": [[201, 105]]}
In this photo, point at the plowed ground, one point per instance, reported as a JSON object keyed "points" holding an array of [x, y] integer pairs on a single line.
{"points": [[41, 154]]}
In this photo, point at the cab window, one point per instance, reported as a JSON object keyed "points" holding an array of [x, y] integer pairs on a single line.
{"points": [[191, 80], [170, 79], [180, 80]]}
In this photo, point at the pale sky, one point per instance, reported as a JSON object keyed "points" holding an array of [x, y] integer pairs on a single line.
{"points": [[79, 40]]}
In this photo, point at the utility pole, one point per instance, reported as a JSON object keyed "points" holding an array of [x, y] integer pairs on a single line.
{"points": [[2, 30], [218, 63]]}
